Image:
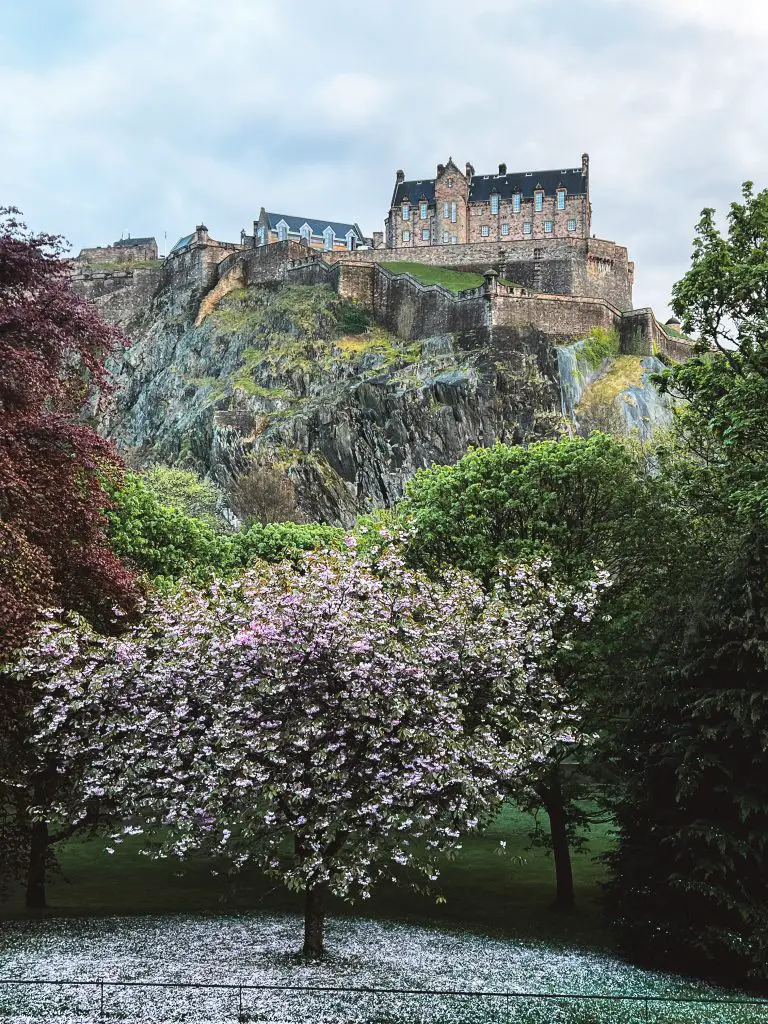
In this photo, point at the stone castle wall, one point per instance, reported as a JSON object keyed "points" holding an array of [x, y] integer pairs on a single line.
{"points": [[591, 267], [119, 253]]}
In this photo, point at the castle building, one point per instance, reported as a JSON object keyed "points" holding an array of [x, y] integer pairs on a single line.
{"points": [[328, 235], [459, 207]]}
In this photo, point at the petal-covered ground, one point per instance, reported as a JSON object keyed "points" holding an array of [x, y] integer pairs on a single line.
{"points": [[261, 950]]}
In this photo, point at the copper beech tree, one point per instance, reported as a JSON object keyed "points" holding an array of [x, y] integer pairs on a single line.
{"points": [[53, 547]]}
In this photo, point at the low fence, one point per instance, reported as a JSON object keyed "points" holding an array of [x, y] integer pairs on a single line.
{"points": [[136, 1001]]}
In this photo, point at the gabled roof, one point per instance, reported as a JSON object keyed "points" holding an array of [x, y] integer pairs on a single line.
{"points": [[182, 243], [128, 243], [295, 225], [482, 185]]}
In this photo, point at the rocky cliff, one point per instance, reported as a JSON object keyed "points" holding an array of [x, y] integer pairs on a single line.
{"points": [[292, 381]]}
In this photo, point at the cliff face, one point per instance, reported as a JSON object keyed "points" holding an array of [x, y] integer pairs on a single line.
{"points": [[291, 377]]}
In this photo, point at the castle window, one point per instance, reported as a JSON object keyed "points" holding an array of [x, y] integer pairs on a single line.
{"points": [[453, 213], [527, 229], [406, 211], [538, 254], [571, 225], [282, 231], [505, 229], [516, 200], [450, 183], [261, 236], [425, 234], [561, 199], [548, 225], [328, 237], [484, 230], [406, 236], [494, 204], [446, 237], [422, 211], [538, 204], [446, 210]]}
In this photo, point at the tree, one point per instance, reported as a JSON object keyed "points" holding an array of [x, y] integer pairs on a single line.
{"points": [[577, 502], [186, 491], [335, 724], [167, 545], [54, 474], [265, 493], [689, 883], [53, 468]]}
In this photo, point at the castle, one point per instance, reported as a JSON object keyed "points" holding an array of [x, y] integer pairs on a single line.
{"points": [[454, 207], [525, 235]]}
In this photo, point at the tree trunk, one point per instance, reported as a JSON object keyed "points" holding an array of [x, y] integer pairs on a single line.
{"points": [[314, 919], [38, 855], [558, 828]]}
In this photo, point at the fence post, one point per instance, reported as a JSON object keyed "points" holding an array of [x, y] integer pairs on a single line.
{"points": [[240, 1016], [647, 1018], [101, 999]]}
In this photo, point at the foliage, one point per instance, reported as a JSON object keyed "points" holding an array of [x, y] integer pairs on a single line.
{"points": [[454, 280], [161, 541], [168, 546], [577, 502], [53, 468], [695, 786], [311, 720], [600, 345], [186, 491]]}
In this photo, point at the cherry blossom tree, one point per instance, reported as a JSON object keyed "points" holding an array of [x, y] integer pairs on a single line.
{"points": [[336, 722]]}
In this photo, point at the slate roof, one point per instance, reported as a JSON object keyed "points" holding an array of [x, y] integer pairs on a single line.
{"points": [[482, 185], [128, 243], [317, 227], [182, 243]]}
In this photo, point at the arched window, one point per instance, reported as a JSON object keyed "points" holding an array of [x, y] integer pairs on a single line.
{"points": [[306, 233], [328, 237]]}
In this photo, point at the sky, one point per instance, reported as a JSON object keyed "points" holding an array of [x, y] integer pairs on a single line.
{"points": [[146, 117]]}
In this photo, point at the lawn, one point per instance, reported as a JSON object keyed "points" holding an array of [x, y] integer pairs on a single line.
{"points": [[453, 280], [507, 894]]}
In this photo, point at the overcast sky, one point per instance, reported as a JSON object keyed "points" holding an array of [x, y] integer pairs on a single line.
{"points": [[149, 116]]}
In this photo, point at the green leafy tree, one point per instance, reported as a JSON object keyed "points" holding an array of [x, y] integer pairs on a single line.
{"points": [[689, 881], [577, 502], [186, 491]]}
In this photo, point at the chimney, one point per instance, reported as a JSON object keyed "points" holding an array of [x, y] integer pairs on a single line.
{"points": [[502, 168], [585, 164], [470, 169], [440, 169], [378, 239], [400, 177], [201, 233]]}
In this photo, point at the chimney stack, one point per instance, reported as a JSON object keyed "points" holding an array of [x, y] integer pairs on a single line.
{"points": [[585, 164], [440, 169], [470, 169], [201, 233], [502, 168], [400, 177]]}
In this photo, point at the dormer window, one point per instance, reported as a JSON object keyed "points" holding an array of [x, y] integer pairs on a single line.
{"points": [[306, 233], [422, 211], [328, 237], [406, 211], [538, 200], [495, 203], [516, 201], [561, 199], [282, 231]]}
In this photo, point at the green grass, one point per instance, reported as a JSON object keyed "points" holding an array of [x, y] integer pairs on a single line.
{"points": [[453, 280], [483, 891]]}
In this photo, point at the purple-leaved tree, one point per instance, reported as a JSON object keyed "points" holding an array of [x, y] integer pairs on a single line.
{"points": [[335, 723]]}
